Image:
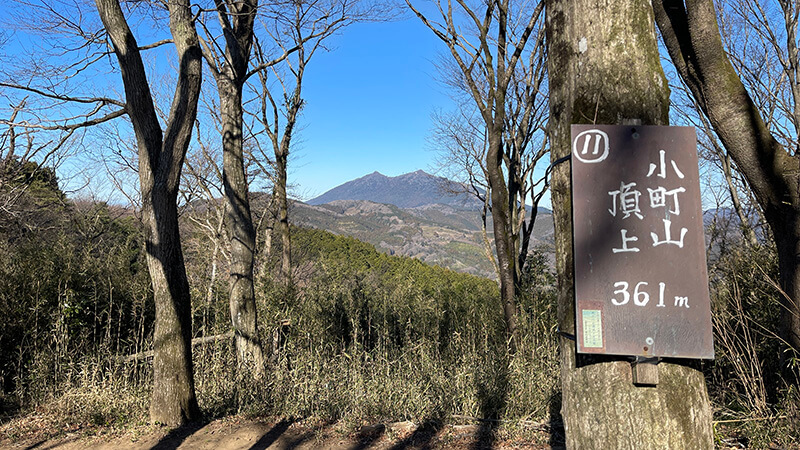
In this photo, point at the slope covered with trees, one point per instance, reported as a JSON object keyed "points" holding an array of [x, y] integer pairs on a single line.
{"points": [[362, 334]]}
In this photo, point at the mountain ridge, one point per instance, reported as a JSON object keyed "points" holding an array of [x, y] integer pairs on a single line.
{"points": [[409, 190]]}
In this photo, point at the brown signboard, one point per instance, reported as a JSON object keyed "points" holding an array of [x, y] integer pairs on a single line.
{"points": [[641, 284]]}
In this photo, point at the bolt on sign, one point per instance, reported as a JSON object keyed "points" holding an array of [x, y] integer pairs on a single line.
{"points": [[641, 284]]}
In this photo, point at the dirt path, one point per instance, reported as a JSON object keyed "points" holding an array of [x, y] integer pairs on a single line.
{"points": [[238, 433]]}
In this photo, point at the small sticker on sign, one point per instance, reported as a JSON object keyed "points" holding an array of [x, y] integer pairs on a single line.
{"points": [[592, 328]]}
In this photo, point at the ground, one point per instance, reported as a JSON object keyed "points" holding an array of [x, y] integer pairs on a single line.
{"points": [[246, 433]]}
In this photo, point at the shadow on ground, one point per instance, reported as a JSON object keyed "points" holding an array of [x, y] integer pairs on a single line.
{"points": [[557, 436], [177, 436], [243, 434], [272, 435]]}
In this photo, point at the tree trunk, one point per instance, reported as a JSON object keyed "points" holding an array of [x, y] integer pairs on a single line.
{"points": [[503, 233], [786, 230], [294, 104], [746, 223], [282, 203], [230, 74], [173, 400], [241, 231], [604, 68], [691, 35]]}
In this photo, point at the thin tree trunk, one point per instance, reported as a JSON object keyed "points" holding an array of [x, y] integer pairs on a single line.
{"points": [[294, 104], [604, 68], [269, 228], [487, 246], [282, 204], [746, 224], [217, 239], [503, 233]]}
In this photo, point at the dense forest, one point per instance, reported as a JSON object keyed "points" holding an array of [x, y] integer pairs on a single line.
{"points": [[196, 295]]}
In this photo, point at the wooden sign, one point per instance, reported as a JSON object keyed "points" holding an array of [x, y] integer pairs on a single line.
{"points": [[641, 283]]}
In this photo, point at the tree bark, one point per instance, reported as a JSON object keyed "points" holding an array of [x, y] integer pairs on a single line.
{"points": [[691, 35], [282, 204], [230, 72], [604, 68], [241, 231], [504, 236], [173, 400]]}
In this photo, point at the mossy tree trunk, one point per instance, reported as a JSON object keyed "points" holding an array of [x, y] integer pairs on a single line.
{"points": [[604, 68], [691, 35], [161, 157]]}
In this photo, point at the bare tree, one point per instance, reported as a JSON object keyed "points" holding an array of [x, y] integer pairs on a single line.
{"points": [[460, 138], [299, 29], [161, 156], [604, 67], [160, 159], [230, 64], [757, 139], [491, 59]]}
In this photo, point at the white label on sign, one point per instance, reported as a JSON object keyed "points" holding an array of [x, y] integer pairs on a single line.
{"points": [[592, 328]]}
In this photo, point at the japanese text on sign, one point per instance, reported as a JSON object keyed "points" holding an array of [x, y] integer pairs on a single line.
{"points": [[640, 274]]}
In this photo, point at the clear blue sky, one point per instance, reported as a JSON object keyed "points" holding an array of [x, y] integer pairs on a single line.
{"points": [[369, 102]]}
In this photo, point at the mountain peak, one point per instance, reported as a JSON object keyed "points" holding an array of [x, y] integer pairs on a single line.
{"points": [[408, 190]]}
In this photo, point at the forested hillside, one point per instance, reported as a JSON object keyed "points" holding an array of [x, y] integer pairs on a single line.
{"points": [[436, 234], [362, 334]]}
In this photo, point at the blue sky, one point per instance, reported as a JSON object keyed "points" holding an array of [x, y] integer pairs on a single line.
{"points": [[369, 102]]}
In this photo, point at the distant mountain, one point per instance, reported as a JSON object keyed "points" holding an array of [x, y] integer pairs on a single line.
{"points": [[410, 190], [415, 214]]}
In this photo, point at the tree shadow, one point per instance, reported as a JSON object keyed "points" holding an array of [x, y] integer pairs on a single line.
{"points": [[368, 435], [177, 436], [288, 443], [300, 440], [47, 445], [272, 435], [422, 437], [557, 439], [493, 398]]}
